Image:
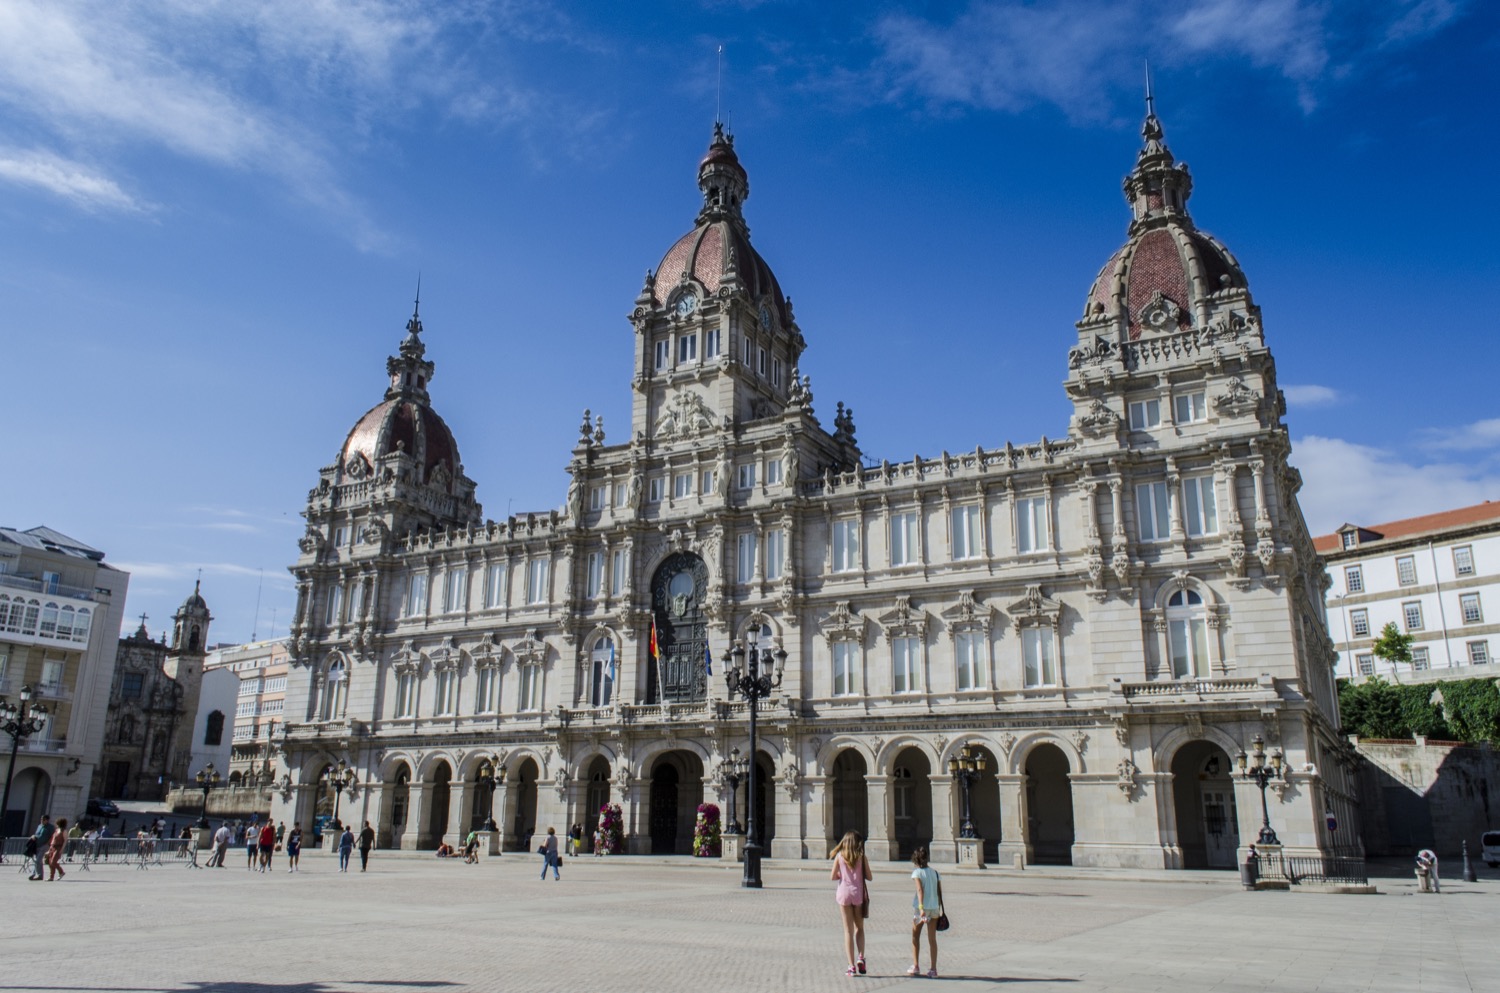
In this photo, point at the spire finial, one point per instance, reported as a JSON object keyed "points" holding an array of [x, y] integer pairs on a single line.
{"points": [[416, 308], [1150, 97]]}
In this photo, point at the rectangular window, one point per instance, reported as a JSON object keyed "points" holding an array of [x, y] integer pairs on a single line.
{"points": [[595, 574], [1145, 414], [663, 354], [846, 546], [904, 662], [749, 353], [845, 658], [1406, 570], [1479, 653], [1188, 639], [1031, 524], [745, 557], [485, 680], [454, 590], [968, 543], [416, 595], [1349, 538], [332, 604], [775, 372], [406, 694], [340, 536], [356, 600], [531, 688], [773, 472], [133, 683], [1191, 408], [655, 487], [276, 684], [1354, 579], [444, 690], [761, 361], [1200, 508], [711, 343], [1366, 663], [622, 494], [1152, 513], [1412, 610], [968, 663], [1463, 560], [745, 476], [706, 482], [494, 585], [1469, 604], [775, 553], [617, 572], [903, 539], [682, 485], [1038, 658], [687, 349], [536, 581], [1359, 623], [1420, 660], [597, 498]]}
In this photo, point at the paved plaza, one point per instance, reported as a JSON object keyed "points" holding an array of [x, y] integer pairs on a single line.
{"points": [[658, 926]]}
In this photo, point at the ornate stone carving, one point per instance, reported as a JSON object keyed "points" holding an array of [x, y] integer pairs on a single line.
{"points": [[1127, 772], [1122, 731], [1237, 399], [1035, 607], [1007, 742], [790, 781], [1096, 354], [1160, 313], [1080, 740], [1099, 420], [683, 416]]}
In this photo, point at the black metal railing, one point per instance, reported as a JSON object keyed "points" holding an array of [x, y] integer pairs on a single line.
{"points": [[1347, 870]]}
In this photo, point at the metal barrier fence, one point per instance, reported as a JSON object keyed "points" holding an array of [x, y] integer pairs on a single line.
{"points": [[1346, 870], [142, 854]]}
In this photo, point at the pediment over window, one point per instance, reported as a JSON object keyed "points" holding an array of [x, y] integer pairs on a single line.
{"points": [[485, 653], [969, 612], [407, 660], [843, 623], [904, 619], [530, 651], [1035, 608]]}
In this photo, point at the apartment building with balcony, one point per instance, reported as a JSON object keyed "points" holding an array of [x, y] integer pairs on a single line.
{"points": [[261, 667], [1437, 577], [60, 611]]}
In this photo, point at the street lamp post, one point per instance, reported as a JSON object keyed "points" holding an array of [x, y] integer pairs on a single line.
{"points": [[1258, 770], [208, 778], [733, 771], [966, 767], [490, 775], [20, 723], [751, 676], [339, 778]]}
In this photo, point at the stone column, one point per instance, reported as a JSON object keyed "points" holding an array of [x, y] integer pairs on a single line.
{"points": [[1013, 840], [458, 805], [879, 845], [946, 818], [635, 811], [789, 842], [416, 815]]}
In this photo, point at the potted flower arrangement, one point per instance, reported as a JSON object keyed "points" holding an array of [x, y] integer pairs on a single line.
{"points": [[706, 832], [609, 839]]}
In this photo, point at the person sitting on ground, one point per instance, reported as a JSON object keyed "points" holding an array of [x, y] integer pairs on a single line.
{"points": [[445, 851]]}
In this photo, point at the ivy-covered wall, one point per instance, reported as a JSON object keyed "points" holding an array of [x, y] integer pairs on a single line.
{"points": [[1466, 709]]}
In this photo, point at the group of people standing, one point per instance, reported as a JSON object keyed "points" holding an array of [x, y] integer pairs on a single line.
{"points": [[851, 870], [263, 841], [45, 848]]}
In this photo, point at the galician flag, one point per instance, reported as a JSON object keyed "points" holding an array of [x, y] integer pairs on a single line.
{"points": [[611, 660]]}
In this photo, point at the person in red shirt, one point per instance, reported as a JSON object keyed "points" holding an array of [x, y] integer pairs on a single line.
{"points": [[267, 843]]}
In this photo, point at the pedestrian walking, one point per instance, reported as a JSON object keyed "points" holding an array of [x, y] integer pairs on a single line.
{"points": [[346, 848], [221, 845], [852, 871], [926, 905], [366, 842], [267, 845], [41, 838], [575, 840], [294, 847], [550, 856], [55, 846], [252, 846], [280, 832]]}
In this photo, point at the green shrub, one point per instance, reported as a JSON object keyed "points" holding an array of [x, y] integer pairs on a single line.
{"points": [[1376, 709]]}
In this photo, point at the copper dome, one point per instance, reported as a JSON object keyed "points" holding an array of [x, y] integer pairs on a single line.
{"points": [[402, 425]]}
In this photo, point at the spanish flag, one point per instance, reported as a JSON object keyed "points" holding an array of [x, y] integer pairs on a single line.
{"points": [[655, 650]]}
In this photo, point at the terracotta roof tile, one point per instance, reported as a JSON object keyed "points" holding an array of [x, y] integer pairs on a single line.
{"points": [[1405, 528]]}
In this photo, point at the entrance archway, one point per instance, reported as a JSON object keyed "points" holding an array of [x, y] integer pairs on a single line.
{"points": [[598, 796], [676, 791], [911, 801], [1203, 802], [849, 796], [765, 801], [439, 791], [1049, 806], [521, 800], [400, 787], [677, 593], [30, 796]]}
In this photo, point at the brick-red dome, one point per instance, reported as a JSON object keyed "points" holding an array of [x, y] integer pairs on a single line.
{"points": [[403, 425]]}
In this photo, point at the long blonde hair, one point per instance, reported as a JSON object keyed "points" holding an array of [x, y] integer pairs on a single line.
{"points": [[851, 846]]}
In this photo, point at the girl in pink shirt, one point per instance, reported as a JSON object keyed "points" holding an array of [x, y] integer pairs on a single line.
{"points": [[851, 869]]}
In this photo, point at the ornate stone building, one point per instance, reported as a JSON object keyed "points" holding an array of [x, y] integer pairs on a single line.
{"points": [[1107, 617], [153, 703]]}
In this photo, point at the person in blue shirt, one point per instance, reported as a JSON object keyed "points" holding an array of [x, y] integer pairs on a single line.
{"points": [[43, 837], [346, 848]]}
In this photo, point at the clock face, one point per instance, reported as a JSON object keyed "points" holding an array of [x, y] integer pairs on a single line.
{"points": [[686, 304], [765, 318]]}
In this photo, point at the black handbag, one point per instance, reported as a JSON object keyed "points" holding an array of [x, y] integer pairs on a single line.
{"points": [[942, 921]]}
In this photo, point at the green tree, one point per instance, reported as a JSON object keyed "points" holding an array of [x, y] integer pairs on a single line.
{"points": [[1393, 646]]}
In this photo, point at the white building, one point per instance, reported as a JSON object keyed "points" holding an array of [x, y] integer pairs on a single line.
{"points": [[218, 694], [1107, 616], [260, 671], [1436, 577], [60, 613]]}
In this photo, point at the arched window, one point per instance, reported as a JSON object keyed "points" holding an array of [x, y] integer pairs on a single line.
{"points": [[1187, 635], [335, 691], [602, 672], [213, 730], [193, 639]]}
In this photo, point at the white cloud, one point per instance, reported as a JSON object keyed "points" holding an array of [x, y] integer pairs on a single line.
{"points": [[73, 181], [1011, 54], [1310, 395], [1346, 482], [1468, 437], [189, 570]]}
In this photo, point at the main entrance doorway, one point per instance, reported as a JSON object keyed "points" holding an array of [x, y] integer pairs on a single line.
{"points": [[677, 591], [676, 792], [1208, 831]]}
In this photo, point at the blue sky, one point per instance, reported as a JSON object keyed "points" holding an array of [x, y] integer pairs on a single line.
{"points": [[213, 214]]}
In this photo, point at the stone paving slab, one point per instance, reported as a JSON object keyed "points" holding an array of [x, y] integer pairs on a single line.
{"points": [[660, 926]]}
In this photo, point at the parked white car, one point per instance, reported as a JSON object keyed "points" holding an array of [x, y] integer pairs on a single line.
{"points": [[1490, 850]]}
